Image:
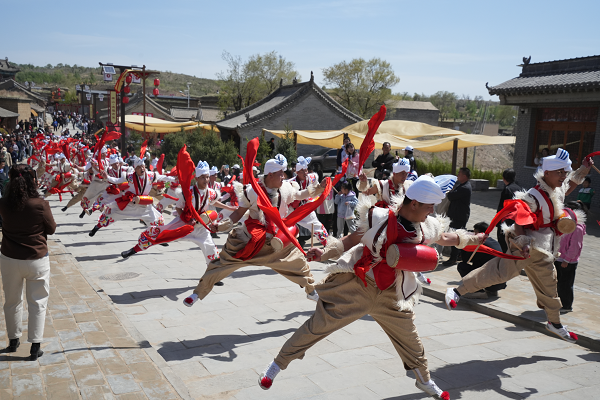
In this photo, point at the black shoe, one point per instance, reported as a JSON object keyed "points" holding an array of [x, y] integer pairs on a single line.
{"points": [[35, 352], [143, 223], [64, 209], [164, 244], [492, 293], [13, 345], [219, 283], [93, 231], [449, 263], [128, 253], [82, 214], [214, 235]]}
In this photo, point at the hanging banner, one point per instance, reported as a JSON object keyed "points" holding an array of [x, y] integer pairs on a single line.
{"points": [[135, 79], [88, 96], [108, 77], [101, 97], [112, 107]]}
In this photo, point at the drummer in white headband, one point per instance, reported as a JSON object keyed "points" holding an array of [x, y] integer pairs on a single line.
{"points": [[251, 244], [388, 292], [384, 190], [302, 181], [538, 242]]}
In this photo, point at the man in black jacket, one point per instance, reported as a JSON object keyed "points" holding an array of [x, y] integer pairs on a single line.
{"points": [[478, 260], [510, 188], [459, 209], [383, 161]]}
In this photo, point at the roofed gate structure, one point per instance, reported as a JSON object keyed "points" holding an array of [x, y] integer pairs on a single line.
{"points": [[559, 106], [301, 106]]}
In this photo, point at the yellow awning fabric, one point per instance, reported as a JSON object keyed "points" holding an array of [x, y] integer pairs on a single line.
{"points": [[136, 122], [34, 113], [333, 139], [402, 129]]}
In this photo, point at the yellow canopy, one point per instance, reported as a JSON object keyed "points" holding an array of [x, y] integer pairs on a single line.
{"points": [[34, 113], [402, 129], [333, 139], [136, 122]]}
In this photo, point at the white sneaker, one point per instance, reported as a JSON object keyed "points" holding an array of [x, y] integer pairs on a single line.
{"points": [[314, 296], [265, 380], [432, 389], [451, 299], [423, 279], [562, 333], [190, 300]]}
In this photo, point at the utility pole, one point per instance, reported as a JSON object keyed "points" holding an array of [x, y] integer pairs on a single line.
{"points": [[188, 92]]}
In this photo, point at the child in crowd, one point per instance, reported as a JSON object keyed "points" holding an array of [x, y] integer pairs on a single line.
{"points": [[346, 201], [566, 264], [586, 193]]}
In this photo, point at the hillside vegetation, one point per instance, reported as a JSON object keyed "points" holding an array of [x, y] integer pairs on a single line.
{"points": [[67, 76]]}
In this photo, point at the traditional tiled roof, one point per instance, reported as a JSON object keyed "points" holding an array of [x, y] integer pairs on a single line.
{"points": [[210, 114], [185, 113], [576, 74], [410, 105], [11, 84], [279, 100], [5, 66], [4, 113]]}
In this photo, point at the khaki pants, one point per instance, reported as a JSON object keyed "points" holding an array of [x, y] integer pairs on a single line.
{"points": [[343, 298], [80, 193], [540, 271], [289, 262], [36, 275]]}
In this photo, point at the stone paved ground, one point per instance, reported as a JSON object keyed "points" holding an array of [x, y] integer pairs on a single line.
{"points": [[218, 347], [88, 353]]}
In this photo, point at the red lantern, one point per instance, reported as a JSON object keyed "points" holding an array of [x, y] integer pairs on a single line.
{"points": [[156, 82], [125, 100], [127, 89], [155, 91], [128, 79]]}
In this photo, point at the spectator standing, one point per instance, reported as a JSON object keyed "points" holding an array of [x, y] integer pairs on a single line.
{"points": [[571, 245], [224, 175], [586, 193], [354, 170], [5, 155], [385, 161], [341, 153], [408, 153], [13, 154], [459, 208], [272, 146], [325, 212], [508, 193], [346, 202], [27, 221], [478, 260]]}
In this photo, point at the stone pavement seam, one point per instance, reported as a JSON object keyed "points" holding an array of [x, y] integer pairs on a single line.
{"points": [[173, 379], [583, 339]]}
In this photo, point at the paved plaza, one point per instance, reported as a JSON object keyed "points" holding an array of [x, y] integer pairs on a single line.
{"points": [[117, 329]]}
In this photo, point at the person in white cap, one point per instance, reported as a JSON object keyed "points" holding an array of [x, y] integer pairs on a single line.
{"points": [[251, 243], [202, 196], [110, 194], [365, 281], [63, 174], [538, 242], [408, 154], [302, 181], [83, 184], [171, 195], [135, 202]]}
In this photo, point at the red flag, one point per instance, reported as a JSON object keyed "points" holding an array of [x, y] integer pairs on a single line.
{"points": [[159, 165], [368, 144], [185, 171], [143, 148], [594, 154], [490, 251]]}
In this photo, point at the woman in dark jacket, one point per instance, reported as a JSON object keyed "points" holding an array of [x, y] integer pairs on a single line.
{"points": [[26, 222]]}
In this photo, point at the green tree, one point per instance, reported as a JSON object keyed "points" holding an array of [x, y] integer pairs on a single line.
{"points": [[202, 145], [246, 82], [361, 86], [446, 103], [286, 145]]}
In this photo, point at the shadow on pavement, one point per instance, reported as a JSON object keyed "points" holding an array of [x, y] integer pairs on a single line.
{"points": [[213, 346], [481, 376]]}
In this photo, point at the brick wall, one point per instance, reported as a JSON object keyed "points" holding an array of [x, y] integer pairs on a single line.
{"points": [[21, 106], [426, 116], [309, 113]]}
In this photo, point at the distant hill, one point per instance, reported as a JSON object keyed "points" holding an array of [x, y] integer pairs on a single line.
{"points": [[67, 76]]}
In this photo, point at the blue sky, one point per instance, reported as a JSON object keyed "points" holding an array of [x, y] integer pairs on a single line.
{"points": [[456, 46]]}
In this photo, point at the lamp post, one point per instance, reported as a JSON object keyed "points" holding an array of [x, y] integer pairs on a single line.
{"points": [[187, 91]]}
